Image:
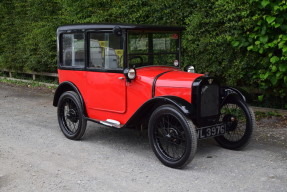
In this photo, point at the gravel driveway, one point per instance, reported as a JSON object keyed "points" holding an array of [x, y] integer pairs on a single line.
{"points": [[35, 156]]}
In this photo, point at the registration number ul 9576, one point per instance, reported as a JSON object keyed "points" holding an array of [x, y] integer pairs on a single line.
{"points": [[211, 131]]}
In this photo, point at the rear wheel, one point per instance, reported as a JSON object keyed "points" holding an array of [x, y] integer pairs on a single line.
{"points": [[172, 136], [240, 122], [70, 116]]}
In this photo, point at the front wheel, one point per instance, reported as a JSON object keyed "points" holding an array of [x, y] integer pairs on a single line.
{"points": [[172, 136], [70, 116], [240, 123]]}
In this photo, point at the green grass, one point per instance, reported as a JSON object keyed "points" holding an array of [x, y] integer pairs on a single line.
{"points": [[27, 84], [261, 115]]}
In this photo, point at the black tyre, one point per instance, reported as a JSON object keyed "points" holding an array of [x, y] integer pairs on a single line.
{"points": [[172, 136], [70, 116], [240, 124]]}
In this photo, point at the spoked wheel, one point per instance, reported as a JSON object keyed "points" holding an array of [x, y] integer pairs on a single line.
{"points": [[172, 136], [70, 116], [240, 123]]}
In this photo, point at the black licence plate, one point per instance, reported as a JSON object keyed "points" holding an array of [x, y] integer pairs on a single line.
{"points": [[211, 131]]}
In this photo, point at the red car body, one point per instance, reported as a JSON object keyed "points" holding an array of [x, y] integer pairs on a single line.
{"points": [[121, 99], [122, 75]]}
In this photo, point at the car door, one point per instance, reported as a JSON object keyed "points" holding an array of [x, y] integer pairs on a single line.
{"points": [[106, 85]]}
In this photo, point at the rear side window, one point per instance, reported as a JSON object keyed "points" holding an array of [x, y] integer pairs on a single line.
{"points": [[73, 50]]}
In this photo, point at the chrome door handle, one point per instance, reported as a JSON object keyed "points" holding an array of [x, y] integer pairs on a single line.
{"points": [[121, 78]]}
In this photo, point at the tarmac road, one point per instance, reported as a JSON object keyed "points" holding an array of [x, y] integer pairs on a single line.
{"points": [[35, 156]]}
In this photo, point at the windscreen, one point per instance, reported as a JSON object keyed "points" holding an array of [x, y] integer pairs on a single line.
{"points": [[153, 48]]}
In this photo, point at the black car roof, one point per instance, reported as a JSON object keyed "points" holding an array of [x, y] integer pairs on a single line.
{"points": [[123, 26]]}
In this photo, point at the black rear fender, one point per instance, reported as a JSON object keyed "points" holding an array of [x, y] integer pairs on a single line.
{"points": [[67, 86]]}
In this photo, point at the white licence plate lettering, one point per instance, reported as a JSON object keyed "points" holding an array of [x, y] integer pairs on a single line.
{"points": [[211, 131]]}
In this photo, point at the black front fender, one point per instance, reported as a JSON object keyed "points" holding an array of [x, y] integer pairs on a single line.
{"points": [[145, 111], [231, 93], [226, 91], [184, 106]]}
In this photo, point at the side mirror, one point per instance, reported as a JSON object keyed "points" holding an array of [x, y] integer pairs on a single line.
{"points": [[190, 69], [130, 74], [117, 31]]}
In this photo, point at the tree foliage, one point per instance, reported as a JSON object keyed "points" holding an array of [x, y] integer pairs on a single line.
{"points": [[207, 40], [243, 42], [267, 37], [28, 27]]}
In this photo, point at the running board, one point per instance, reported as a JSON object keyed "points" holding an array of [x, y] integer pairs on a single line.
{"points": [[111, 123], [108, 122]]}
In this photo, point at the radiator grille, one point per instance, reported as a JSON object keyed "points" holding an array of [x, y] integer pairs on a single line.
{"points": [[209, 100]]}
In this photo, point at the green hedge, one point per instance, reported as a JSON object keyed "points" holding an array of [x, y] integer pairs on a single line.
{"points": [[28, 27], [207, 40], [242, 42], [267, 37]]}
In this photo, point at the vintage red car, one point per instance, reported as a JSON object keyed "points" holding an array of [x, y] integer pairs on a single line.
{"points": [[128, 76]]}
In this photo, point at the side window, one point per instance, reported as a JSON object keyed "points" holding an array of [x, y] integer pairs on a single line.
{"points": [[73, 50], [106, 51]]}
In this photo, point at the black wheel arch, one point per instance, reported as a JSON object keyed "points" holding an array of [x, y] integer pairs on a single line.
{"points": [[67, 86], [143, 114], [232, 92], [230, 97]]}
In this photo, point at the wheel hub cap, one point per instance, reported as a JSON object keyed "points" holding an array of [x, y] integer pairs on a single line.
{"points": [[172, 135], [72, 115], [231, 122]]}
